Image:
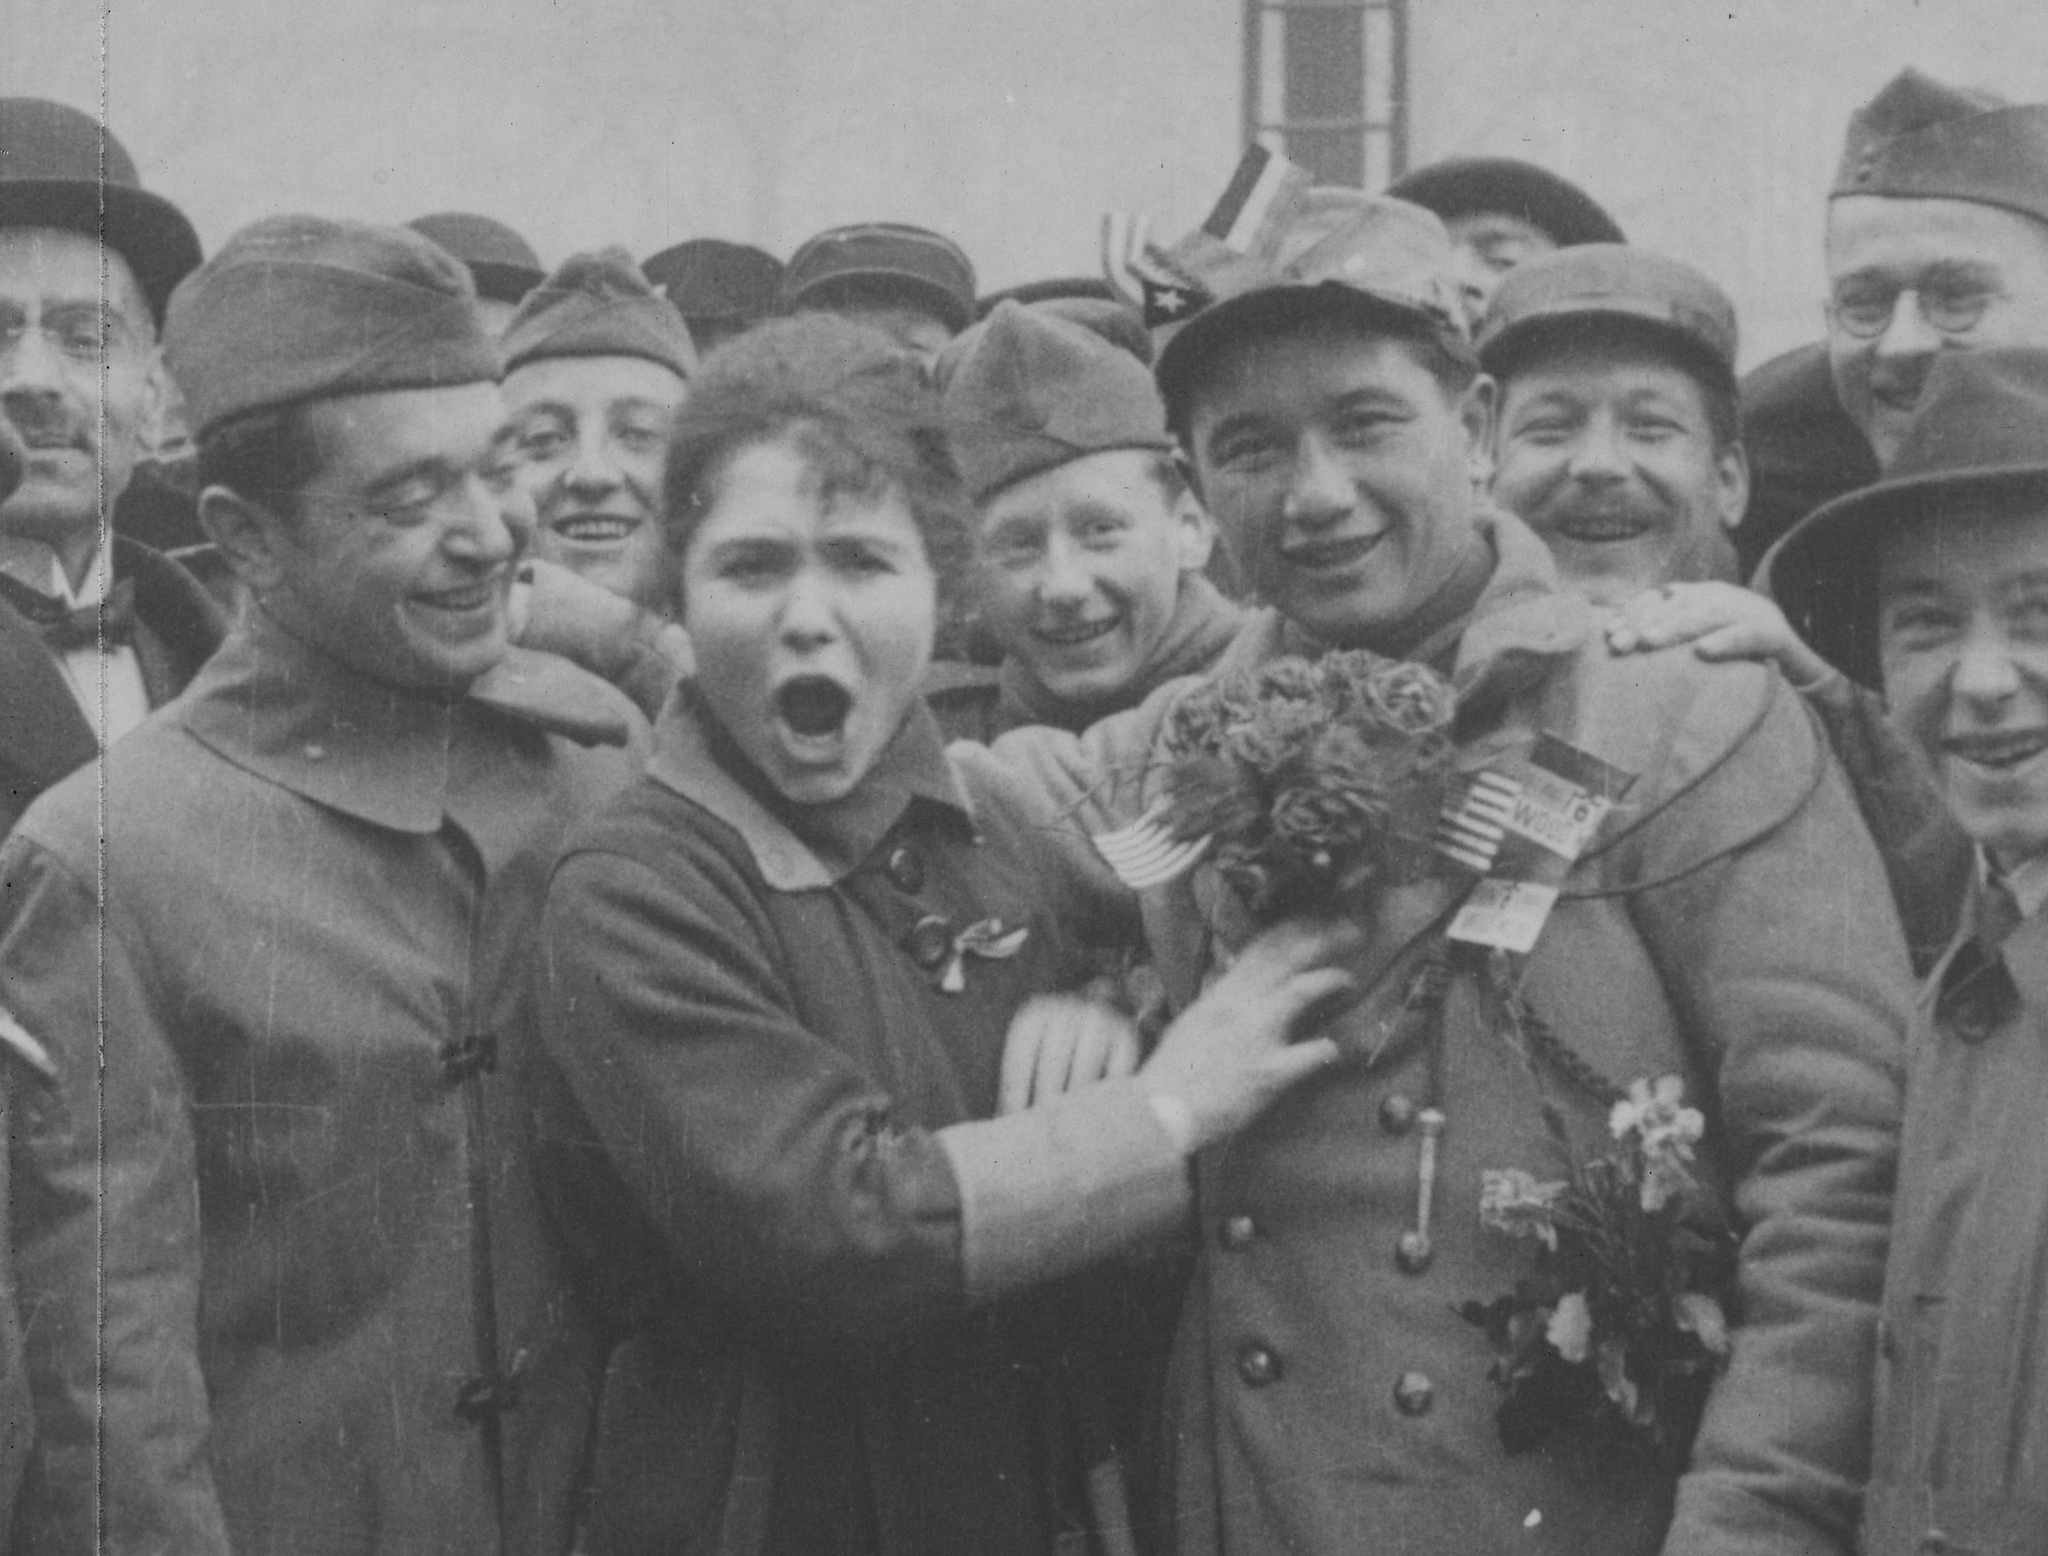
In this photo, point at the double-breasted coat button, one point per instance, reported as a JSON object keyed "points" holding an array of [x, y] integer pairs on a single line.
{"points": [[905, 870], [1237, 1231], [931, 941], [1258, 1366], [1397, 1113], [1414, 1394], [1413, 1252]]}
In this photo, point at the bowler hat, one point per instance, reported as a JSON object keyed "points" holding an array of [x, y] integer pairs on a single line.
{"points": [[503, 264], [1545, 297], [1460, 186], [1920, 139], [59, 168], [918, 262], [1981, 427], [716, 281], [1337, 253]]}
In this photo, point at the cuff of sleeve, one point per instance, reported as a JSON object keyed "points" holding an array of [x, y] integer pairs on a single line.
{"points": [[1056, 1188]]}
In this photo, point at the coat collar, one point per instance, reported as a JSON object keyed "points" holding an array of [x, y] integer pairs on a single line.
{"points": [[803, 847], [277, 708]]}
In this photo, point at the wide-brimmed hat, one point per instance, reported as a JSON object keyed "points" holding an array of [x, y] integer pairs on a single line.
{"points": [[1981, 428], [1336, 254], [59, 168], [501, 262], [1548, 296], [916, 261], [1460, 186]]}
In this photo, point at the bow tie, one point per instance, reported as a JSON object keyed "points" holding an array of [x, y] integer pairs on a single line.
{"points": [[66, 627]]}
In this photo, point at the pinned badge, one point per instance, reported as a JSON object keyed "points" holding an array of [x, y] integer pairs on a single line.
{"points": [[986, 939]]}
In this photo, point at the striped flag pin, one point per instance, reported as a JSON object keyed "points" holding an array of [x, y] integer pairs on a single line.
{"points": [[1145, 854], [1471, 831]]}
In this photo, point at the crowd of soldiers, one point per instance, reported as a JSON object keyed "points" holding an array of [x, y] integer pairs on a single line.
{"points": [[560, 986]]}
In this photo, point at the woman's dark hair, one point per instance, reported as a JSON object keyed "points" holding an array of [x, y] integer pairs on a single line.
{"points": [[860, 410]]}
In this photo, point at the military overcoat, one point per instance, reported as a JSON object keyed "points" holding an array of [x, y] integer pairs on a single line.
{"points": [[1728, 924], [297, 1176], [1960, 1460]]}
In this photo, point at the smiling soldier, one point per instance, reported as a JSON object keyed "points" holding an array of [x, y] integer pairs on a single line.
{"points": [[596, 363], [321, 873], [1617, 440], [1935, 580], [1326, 1397], [1937, 241], [1088, 544]]}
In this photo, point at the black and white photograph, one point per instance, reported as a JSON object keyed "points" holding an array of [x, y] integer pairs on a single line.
{"points": [[1024, 777]]}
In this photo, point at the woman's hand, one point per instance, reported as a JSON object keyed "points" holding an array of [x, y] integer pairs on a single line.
{"points": [[1059, 1043], [1721, 621], [1229, 1055]]}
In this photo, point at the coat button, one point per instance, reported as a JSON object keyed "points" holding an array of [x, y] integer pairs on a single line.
{"points": [[1397, 1113], [1237, 1231], [1258, 1366], [905, 870], [931, 941], [1414, 1394], [1413, 1253]]}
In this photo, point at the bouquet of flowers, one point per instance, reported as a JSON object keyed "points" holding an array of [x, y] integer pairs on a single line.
{"points": [[1312, 779], [1624, 1325]]}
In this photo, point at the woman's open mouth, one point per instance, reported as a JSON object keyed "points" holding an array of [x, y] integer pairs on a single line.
{"points": [[814, 707]]}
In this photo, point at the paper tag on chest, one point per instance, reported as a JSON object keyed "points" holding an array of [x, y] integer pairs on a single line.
{"points": [[1525, 822]]}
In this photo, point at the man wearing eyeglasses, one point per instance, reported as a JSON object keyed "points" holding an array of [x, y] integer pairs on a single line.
{"points": [[1937, 240]]}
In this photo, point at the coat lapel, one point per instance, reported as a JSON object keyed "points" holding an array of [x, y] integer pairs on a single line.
{"points": [[43, 733]]}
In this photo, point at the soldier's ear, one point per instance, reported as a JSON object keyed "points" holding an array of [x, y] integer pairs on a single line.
{"points": [[248, 534], [1194, 531], [1731, 491], [1477, 407]]}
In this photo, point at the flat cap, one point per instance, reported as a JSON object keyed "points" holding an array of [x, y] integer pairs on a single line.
{"points": [[1026, 391], [599, 305], [709, 278], [1981, 426], [1610, 281], [1463, 186], [297, 308], [503, 264], [1920, 139], [922, 263], [59, 168], [1337, 252]]}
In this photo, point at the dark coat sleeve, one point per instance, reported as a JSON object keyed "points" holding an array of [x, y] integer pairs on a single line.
{"points": [[1787, 966], [104, 1216], [773, 1171], [1927, 854]]}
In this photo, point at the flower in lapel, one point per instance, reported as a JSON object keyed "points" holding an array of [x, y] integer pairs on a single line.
{"points": [[986, 938]]}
